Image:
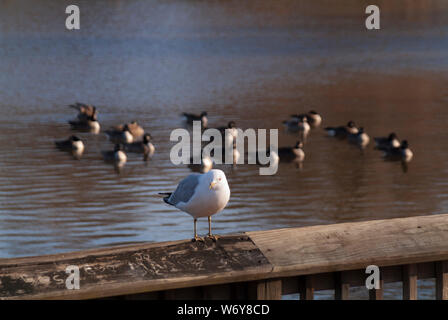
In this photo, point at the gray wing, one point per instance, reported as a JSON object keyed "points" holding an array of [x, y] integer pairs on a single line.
{"points": [[185, 189]]}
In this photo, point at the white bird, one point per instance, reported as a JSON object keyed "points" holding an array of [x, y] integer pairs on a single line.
{"points": [[201, 195]]}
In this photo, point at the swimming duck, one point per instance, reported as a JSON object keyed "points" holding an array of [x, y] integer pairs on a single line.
{"points": [[402, 153], [145, 147], [74, 145], [360, 138], [190, 117], [342, 131], [303, 125], [295, 153], [120, 136], [134, 128], [91, 124], [386, 143], [117, 156]]}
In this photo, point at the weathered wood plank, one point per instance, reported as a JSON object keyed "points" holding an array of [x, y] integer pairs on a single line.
{"points": [[270, 289], [127, 270], [351, 246], [311, 252], [410, 272], [441, 280]]}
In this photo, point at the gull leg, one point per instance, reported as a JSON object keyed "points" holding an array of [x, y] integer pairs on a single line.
{"points": [[196, 237], [210, 235]]}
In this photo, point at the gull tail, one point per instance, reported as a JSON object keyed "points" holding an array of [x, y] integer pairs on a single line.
{"points": [[167, 194]]}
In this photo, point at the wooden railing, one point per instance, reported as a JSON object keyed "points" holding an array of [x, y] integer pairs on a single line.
{"points": [[253, 265]]}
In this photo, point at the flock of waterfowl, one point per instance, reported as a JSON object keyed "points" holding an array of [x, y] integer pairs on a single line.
{"points": [[128, 137], [392, 148], [131, 137]]}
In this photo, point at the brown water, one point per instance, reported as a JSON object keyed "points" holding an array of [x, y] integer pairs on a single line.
{"points": [[254, 62]]}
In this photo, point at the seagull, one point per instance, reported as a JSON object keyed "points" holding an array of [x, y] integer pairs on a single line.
{"points": [[91, 124], [145, 147], [201, 195], [73, 144], [190, 117], [386, 143], [342, 131]]}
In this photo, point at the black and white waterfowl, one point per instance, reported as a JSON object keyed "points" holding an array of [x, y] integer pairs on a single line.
{"points": [[74, 145], [91, 124], [361, 139], [342, 131], [134, 128], [386, 143], [117, 156], [292, 123], [85, 111], [230, 133], [145, 147], [314, 119], [190, 117], [295, 153], [402, 153], [120, 136], [205, 166]]}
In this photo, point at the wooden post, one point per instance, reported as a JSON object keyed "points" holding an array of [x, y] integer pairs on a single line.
{"points": [[409, 274], [270, 289], [442, 280], [377, 294], [341, 287], [306, 287]]}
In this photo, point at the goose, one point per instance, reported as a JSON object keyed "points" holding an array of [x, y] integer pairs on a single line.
{"points": [[205, 166], [342, 131], [360, 138], [295, 153], [120, 136], [386, 143], [230, 133], [402, 153], [190, 117], [74, 145], [117, 156], [314, 119], [91, 124], [145, 147], [134, 128], [85, 111]]}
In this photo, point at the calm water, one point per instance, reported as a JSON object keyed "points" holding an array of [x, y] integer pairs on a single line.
{"points": [[254, 62]]}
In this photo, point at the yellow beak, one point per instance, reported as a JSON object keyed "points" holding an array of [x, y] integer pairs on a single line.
{"points": [[212, 184]]}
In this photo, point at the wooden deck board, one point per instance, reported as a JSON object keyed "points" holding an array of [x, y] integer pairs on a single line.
{"points": [[127, 271], [293, 254], [351, 246]]}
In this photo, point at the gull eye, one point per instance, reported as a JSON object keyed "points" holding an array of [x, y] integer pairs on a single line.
{"points": [[219, 179]]}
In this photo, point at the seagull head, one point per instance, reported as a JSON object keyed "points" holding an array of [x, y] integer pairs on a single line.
{"points": [[216, 179]]}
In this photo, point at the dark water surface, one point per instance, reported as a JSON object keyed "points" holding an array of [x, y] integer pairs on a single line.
{"points": [[254, 62]]}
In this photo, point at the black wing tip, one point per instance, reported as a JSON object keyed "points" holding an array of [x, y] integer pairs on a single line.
{"points": [[167, 196]]}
